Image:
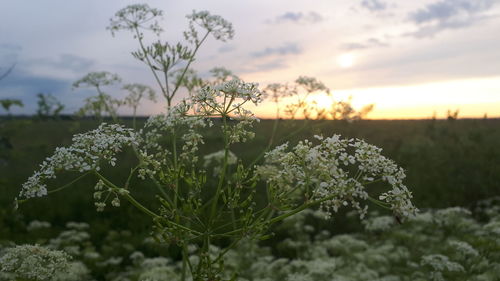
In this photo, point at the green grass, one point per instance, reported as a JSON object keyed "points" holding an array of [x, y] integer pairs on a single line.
{"points": [[448, 163]]}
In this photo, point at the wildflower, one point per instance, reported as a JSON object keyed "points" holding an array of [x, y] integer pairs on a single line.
{"points": [[220, 28], [136, 93], [33, 262], [36, 224], [136, 16], [83, 155], [336, 171], [216, 159], [441, 263]]}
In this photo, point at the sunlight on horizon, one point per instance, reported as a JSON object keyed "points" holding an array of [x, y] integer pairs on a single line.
{"points": [[472, 97]]}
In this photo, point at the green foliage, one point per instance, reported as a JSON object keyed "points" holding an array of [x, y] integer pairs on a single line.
{"points": [[8, 103], [48, 106], [102, 104], [442, 244]]}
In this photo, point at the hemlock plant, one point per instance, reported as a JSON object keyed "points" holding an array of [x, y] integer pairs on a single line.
{"points": [[327, 172]]}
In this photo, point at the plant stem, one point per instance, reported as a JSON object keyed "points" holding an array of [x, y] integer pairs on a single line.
{"points": [[129, 197], [223, 172]]}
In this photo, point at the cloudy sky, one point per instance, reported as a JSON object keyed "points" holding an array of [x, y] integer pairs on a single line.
{"points": [[409, 58]]}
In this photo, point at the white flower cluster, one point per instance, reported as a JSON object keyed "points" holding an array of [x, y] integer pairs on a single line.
{"points": [[33, 262], [84, 154], [217, 158], [276, 92], [220, 28], [36, 225], [177, 122], [337, 171], [136, 16], [379, 223], [97, 79], [464, 248], [441, 263], [102, 189], [227, 99], [311, 84], [136, 93]]}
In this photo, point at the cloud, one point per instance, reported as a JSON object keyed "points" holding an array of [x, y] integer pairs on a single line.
{"points": [[65, 61], [8, 55], [374, 5], [10, 47], [32, 84], [226, 49], [287, 49], [449, 14], [297, 17], [262, 66], [368, 44], [24, 86]]}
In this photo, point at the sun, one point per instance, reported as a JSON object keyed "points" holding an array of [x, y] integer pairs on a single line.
{"points": [[346, 60]]}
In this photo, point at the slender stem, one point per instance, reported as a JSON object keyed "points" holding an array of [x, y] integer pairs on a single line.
{"points": [[280, 140], [185, 262], [232, 245], [139, 37], [133, 118], [283, 216], [275, 126], [224, 167], [20, 201], [176, 169], [179, 82], [128, 197], [68, 184]]}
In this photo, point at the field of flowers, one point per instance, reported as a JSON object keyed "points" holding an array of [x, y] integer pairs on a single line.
{"points": [[442, 243]]}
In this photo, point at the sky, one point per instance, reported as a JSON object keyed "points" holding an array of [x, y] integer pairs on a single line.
{"points": [[412, 59]]}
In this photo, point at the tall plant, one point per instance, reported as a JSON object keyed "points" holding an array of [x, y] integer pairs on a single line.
{"points": [[163, 58], [202, 205]]}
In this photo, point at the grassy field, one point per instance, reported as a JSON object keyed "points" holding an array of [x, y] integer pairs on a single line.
{"points": [[448, 163]]}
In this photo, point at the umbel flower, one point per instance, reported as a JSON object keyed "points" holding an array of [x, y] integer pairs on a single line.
{"points": [[33, 262], [336, 172], [83, 155]]}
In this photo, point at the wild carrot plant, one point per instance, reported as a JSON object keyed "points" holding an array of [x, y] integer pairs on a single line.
{"points": [[226, 200]]}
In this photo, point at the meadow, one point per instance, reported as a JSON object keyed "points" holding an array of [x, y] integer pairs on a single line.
{"points": [[449, 163]]}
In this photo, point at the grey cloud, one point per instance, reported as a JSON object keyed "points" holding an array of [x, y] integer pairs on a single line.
{"points": [[271, 65], [226, 49], [32, 83], [9, 54], [265, 66], [297, 17], [22, 85], [424, 65], [368, 44], [65, 61], [287, 49], [374, 5], [449, 14], [10, 47]]}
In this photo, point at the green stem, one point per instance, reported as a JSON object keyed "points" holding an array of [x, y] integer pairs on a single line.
{"points": [[148, 62], [179, 82], [176, 168], [283, 216], [129, 198], [223, 172]]}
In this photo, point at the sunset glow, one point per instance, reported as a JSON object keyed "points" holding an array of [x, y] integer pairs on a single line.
{"points": [[346, 60]]}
